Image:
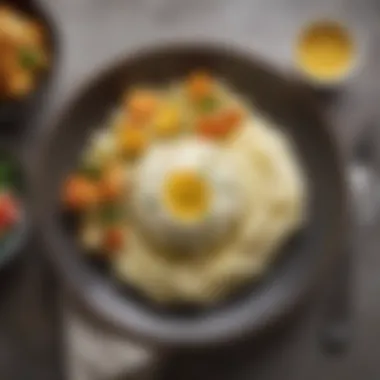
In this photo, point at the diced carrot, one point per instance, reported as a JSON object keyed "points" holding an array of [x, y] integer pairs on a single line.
{"points": [[220, 125], [199, 85], [114, 238], [209, 127], [141, 105], [123, 122], [79, 193], [232, 117], [133, 142], [112, 183]]}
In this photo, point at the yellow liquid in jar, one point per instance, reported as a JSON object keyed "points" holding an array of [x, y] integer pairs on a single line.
{"points": [[325, 50]]}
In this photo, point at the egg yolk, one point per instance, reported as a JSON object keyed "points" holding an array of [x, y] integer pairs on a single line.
{"points": [[186, 195], [325, 50]]}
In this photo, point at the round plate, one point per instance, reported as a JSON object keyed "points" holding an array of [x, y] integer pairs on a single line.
{"points": [[287, 103]]}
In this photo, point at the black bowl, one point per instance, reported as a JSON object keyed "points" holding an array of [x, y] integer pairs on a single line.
{"points": [[15, 114], [289, 104]]}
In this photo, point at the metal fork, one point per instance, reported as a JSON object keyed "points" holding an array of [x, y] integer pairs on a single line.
{"points": [[364, 172]]}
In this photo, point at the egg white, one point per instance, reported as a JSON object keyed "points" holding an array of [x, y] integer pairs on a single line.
{"points": [[213, 165]]}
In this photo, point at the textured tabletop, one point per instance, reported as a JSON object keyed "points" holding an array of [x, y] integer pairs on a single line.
{"points": [[94, 32]]}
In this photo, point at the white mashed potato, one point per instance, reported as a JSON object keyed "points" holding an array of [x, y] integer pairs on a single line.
{"points": [[268, 204]]}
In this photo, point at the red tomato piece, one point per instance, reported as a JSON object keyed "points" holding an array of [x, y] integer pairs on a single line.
{"points": [[9, 211]]}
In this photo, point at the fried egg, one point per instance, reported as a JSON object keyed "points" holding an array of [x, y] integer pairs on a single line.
{"points": [[187, 194]]}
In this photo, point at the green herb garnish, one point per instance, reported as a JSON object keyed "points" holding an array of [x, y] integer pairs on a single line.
{"points": [[6, 174], [111, 213], [91, 171], [30, 58], [208, 104]]}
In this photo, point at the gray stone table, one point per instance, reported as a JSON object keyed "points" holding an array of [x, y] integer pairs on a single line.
{"points": [[94, 32]]}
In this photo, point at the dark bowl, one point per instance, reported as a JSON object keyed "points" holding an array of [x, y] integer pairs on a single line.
{"points": [[15, 114], [303, 260]]}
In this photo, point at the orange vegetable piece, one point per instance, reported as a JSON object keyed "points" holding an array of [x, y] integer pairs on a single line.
{"points": [[133, 142], [125, 123], [113, 239], [232, 117], [210, 127], [221, 124], [20, 83], [141, 105], [199, 85], [112, 184], [79, 193]]}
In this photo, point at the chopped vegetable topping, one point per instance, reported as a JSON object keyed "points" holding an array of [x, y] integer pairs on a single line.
{"points": [[133, 142], [30, 59], [208, 104], [111, 213], [141, 105], [168, 122], [199, 86], [5, 174], [124, 122], [24, 52], [100, 188], [91, 171], [79, 193], [210, 127], [232, 117], [9, 211], [114, 239], [219, 125], [91, 236], [112, 183]]}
